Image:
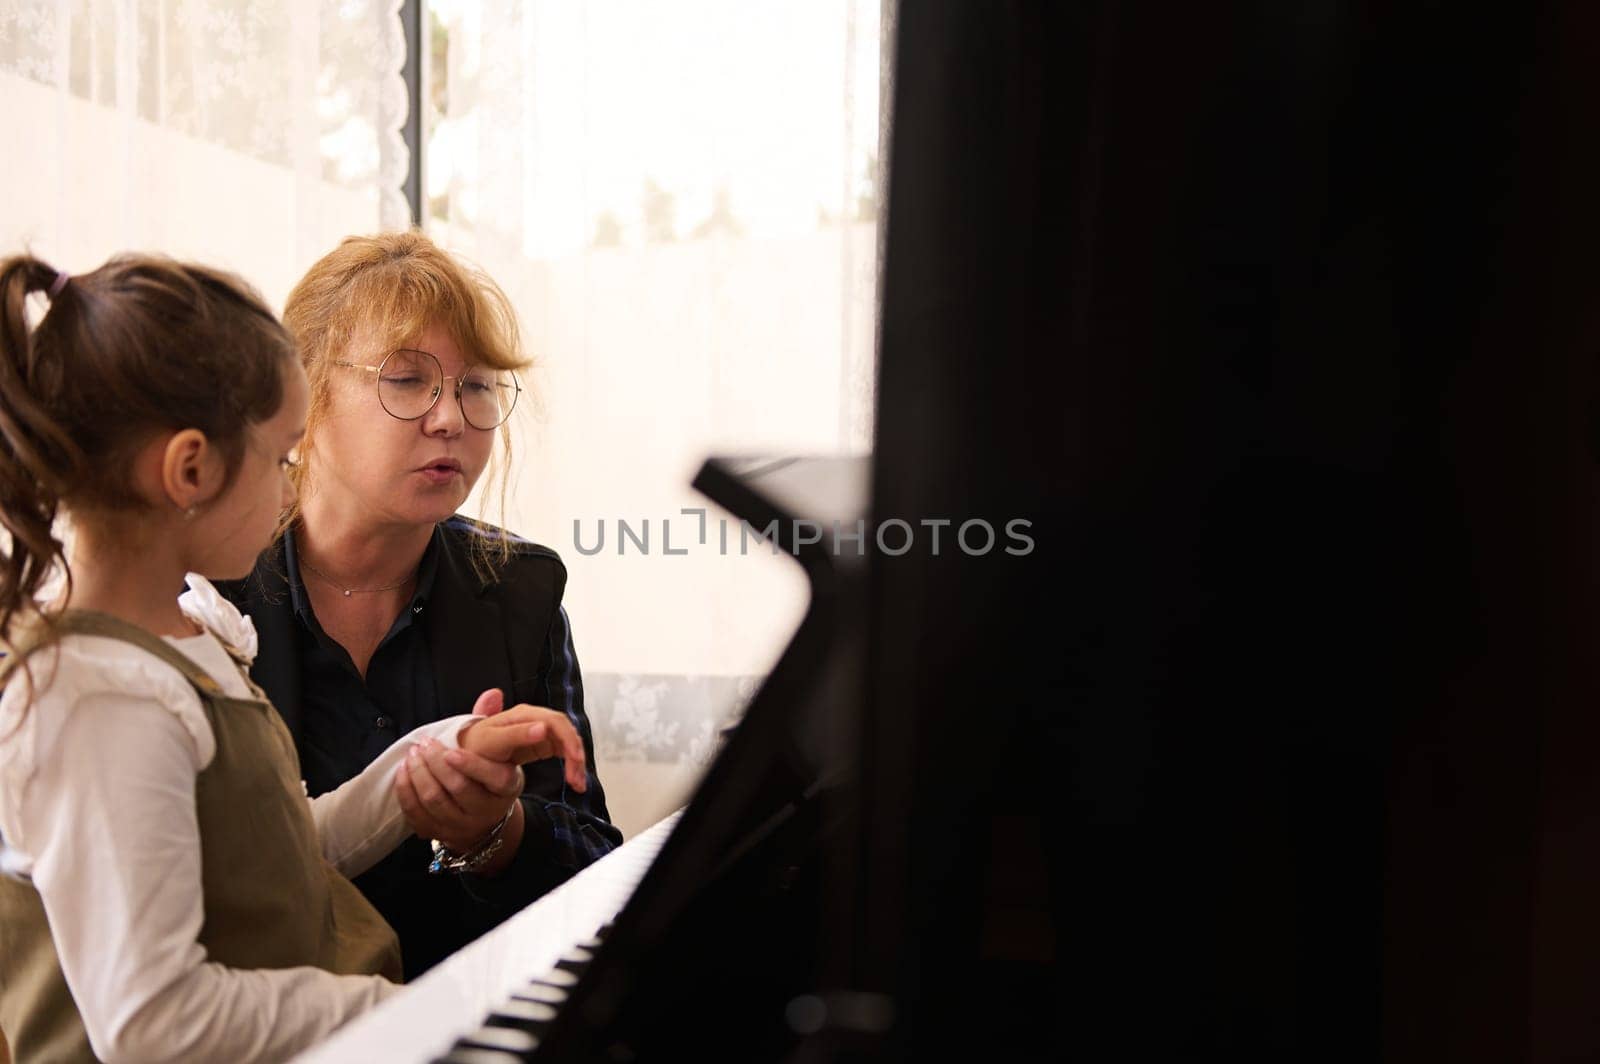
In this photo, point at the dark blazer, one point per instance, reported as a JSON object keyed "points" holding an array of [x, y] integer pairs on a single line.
{"points": [[508, 633]]}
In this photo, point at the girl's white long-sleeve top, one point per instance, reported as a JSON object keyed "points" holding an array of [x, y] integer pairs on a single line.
{"points": [[97, 807]]}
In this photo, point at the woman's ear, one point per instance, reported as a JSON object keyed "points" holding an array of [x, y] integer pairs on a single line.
{"points": [[191, 469]]}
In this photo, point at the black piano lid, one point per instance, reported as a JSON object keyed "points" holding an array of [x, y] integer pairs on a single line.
{"points": [[728, 915], [818, 493]]}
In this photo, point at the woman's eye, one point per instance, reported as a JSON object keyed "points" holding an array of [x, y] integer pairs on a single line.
{"points": [[402, 381]]}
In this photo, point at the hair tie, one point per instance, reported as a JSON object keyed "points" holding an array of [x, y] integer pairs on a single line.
{"points": [[59, 283]]}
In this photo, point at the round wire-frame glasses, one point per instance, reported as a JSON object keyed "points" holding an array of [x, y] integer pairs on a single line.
{"points": [[410, 383]]}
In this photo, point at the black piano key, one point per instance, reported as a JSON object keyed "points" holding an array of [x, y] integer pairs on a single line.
{"points": [[532, 1016], [536, 991], [559, 976], [507, 1039], [568, 964]]}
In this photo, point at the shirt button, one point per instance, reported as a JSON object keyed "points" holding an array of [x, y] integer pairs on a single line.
{"points": [[382, 722]]}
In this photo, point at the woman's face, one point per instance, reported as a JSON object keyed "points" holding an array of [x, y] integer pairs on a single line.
{"points": [[398, 472]]}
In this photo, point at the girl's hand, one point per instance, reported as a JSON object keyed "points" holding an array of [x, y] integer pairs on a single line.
{"points": [[526, 733]]}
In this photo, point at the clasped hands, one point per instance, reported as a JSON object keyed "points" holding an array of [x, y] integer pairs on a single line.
{"points": [[458, 795]]}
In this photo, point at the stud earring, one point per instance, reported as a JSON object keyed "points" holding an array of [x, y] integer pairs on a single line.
{"points": [[188, 515]]}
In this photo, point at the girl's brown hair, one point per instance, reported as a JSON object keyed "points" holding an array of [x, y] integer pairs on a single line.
{"points": [[373, 294], [141, 345]]}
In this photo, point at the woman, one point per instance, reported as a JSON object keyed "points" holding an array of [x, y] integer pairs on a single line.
{"points": [[379, 609]]}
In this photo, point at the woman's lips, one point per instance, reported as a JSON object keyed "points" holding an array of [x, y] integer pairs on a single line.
{"points": [[441, 472]]}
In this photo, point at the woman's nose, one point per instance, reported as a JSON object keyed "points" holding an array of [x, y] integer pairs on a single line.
{"points": [[445, 418]]}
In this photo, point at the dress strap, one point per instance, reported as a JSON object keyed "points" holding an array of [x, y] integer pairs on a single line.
{"points": [[95, 623]]}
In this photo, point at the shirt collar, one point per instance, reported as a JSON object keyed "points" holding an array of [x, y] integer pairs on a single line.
{"points": [[301, 602]]}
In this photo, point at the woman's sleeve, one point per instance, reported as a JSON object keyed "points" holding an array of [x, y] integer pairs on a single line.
{"points": [[565, 831], [110, 825]]}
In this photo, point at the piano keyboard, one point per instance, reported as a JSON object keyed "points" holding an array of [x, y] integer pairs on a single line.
{"points": [[479, 1005], [514, 1026]]}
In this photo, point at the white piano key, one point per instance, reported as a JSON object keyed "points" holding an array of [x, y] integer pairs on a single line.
{"points": [[508, 1039], [479, 1056], [525, 1011]]}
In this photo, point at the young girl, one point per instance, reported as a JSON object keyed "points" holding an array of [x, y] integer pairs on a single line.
{"points": [[171, 892]]}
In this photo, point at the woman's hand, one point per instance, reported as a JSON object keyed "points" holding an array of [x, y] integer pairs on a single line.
{"points": [[457, 796]]}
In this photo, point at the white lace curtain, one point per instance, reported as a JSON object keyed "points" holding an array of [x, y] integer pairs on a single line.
{"points": [[681, 199], [250, 135]]}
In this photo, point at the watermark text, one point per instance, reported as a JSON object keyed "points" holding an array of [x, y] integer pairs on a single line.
{"points": [[974, 537]]}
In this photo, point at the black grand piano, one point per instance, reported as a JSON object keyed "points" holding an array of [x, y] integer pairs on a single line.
{"points": [[1275, 322]]}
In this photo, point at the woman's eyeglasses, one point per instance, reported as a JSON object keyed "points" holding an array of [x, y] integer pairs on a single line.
{"points": [[410, 383]]}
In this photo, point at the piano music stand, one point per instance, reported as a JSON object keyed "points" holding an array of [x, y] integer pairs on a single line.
{"points": [[730, 921]]}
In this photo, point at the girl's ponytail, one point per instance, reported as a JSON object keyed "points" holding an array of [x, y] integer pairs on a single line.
{"points": [[38, 458], [139, 346]]}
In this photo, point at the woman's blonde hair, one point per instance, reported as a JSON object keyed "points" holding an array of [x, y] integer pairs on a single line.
{"points": [[377, 293]]}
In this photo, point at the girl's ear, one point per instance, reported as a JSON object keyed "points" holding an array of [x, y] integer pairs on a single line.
{"points": [[191, 469]]}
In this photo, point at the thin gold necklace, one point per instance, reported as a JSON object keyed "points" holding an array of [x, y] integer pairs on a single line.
{"points": [[348, 591]]}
